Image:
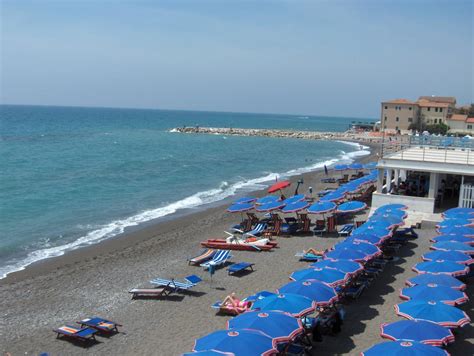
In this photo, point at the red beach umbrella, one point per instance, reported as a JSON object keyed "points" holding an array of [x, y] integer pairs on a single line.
{"points": [[279, 186]]}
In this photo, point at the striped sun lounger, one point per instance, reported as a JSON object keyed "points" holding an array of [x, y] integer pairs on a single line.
{"points": [[202, 257], [100, 324], [72, 332], [257, 230], [346, 230], [149, 292], [220, 258], [175, 285]]}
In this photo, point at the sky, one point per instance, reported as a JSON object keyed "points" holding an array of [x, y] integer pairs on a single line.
{"points": [[334, 57]]}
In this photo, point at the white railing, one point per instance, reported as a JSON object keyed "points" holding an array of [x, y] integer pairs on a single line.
{"points": [[428, 153], [466, 196]]}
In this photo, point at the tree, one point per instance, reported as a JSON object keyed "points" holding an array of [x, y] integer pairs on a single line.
{"points": [[440, 128]]}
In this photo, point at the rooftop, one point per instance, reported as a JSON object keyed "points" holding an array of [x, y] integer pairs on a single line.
{"points": [[439, 99], [399, 101], [426, 103], [458, 117]]}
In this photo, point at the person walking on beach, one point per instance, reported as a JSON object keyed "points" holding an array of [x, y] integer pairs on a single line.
{"points": [[326, 169]]}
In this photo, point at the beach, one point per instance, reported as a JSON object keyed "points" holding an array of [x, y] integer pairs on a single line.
{"points": [[94, 281]]}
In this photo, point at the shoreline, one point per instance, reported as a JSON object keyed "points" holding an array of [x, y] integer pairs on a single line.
{"points": [[142, 231]]}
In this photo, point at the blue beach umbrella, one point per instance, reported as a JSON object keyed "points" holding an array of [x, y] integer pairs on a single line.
{"points": [[459, 211], [453, 246], [208, 353], [440, 279], [270, 206], [388, 208], [382, 233], [423, 331], [241, 342], [331, 276], [365, 237], [441, 267], [437, 312], [245, 200], [375, 227], [452, 256], [435, 292], [240, 207], [356, 166], [267, 199], [455, 223], [294, 207], [259, 295], [333, 196], [369, 249], [405, 348], [453, 238], [389, 221], [347, 254], [280, 326], [295, 304], [370, 165], [322, 207], [351, 207], [341, 167], [294, 199], [451, 230], [400, 214], [320, 293], [346, 266]]}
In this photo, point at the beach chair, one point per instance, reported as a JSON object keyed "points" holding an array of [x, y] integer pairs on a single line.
{"points": [[205, 255], [221, 257], [346, 230], [343, 180], [310, 257], [331, 224], [174, 285], [149, 292], [304, 223], [80, 334], [239, 267], [320, 227], [328, 180], [100, 324], [275, 229], [354, 291], [359, 223], [257, 230]]}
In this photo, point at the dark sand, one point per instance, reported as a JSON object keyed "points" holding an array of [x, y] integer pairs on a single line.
{"points": [[95, 280]]}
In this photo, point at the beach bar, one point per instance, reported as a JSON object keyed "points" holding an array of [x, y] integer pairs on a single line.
{"points": [[429, 174]]}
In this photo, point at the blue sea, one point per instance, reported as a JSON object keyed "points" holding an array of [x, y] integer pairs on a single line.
{"points": [[71, 176]]}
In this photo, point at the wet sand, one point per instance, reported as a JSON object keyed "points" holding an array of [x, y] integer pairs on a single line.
{"points": [[94, 282]]}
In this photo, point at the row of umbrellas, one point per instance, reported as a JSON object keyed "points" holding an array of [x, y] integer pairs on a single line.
{"points": [[275, 317], [433, 294]]}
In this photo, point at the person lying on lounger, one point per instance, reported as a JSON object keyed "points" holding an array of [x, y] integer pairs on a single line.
{"points": [[315, 252], [232, 302]]}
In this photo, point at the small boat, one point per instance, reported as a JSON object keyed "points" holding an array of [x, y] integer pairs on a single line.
{"points": [[238, 243]]}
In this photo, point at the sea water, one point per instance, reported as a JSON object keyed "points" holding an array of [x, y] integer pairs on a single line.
{"points": [[71, 177]]}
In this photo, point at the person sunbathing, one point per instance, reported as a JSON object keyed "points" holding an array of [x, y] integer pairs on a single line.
{"points": [[231, 302], [312, 251]]}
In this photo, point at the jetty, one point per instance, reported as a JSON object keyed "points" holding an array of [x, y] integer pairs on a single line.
{"points": [[301, 134]]}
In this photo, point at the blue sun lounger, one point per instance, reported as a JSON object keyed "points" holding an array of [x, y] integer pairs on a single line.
{"points": [[100, 324], [308, 256], [257, 230], [219, 258], [346, 230], [188, 283], [72, 332], [239, 267]]}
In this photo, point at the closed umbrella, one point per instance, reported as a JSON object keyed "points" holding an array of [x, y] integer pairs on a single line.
{"points": [[441, 267], [423, 331], [437, 312], [319, 292], [440, 279], [435, 292], [405, 348], [241, 342]]}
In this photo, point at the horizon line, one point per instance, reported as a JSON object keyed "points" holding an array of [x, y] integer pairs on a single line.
{"points": [[189, 110]]}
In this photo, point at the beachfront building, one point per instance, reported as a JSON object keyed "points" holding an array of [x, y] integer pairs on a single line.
{"points": [[399, 114], [427, 174], [461, 124]]}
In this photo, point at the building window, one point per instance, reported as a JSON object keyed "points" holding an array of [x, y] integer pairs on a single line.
{"points": [[440, 109], [410, 119], [469, 127], [396, 128], [385, 118], [429, 109], [436, 109], [435, 121], [397, 119], [409, 108], [386, 107]]}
